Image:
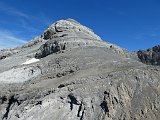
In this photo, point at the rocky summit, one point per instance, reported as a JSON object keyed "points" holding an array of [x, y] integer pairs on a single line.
{"points": [[70, 73]]}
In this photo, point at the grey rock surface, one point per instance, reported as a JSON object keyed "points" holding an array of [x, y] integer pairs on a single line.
{"points": [[76, 76], [150, 56]]}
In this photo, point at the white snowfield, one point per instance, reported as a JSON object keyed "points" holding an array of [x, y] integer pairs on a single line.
{"points": [[33, 60]]}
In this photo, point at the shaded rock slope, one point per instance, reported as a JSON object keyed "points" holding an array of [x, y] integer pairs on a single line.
{"points": [[70, 73], [150, 56]]}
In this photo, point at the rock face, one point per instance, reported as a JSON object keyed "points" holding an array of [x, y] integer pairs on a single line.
{"points": [[69, 34], [50, 47], [76, 76], [150, 56], [18, 75], [6, 53]]}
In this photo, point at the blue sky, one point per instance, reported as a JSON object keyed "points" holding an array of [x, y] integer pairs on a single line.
{"points": [[132, 24]]}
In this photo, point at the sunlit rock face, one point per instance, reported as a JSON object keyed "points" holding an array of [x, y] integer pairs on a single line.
{"points": [[70, 73], [69, 28], [69, 34]]}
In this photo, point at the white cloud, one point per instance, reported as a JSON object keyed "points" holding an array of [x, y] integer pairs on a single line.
{"points": [[154, 35], [8, 40], [25, 25], [20, 14], [8, 37], [42, 17], [12, 11]]}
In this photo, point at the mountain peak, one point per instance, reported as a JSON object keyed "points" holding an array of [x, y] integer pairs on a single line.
{"points": [[72, 20], [68, 34], [69, 26]]}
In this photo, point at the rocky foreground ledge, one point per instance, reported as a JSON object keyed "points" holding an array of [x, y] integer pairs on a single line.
{"points": [[70, 73]]}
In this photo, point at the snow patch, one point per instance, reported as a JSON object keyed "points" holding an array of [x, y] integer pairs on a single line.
{"points": [[33, 60]]}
